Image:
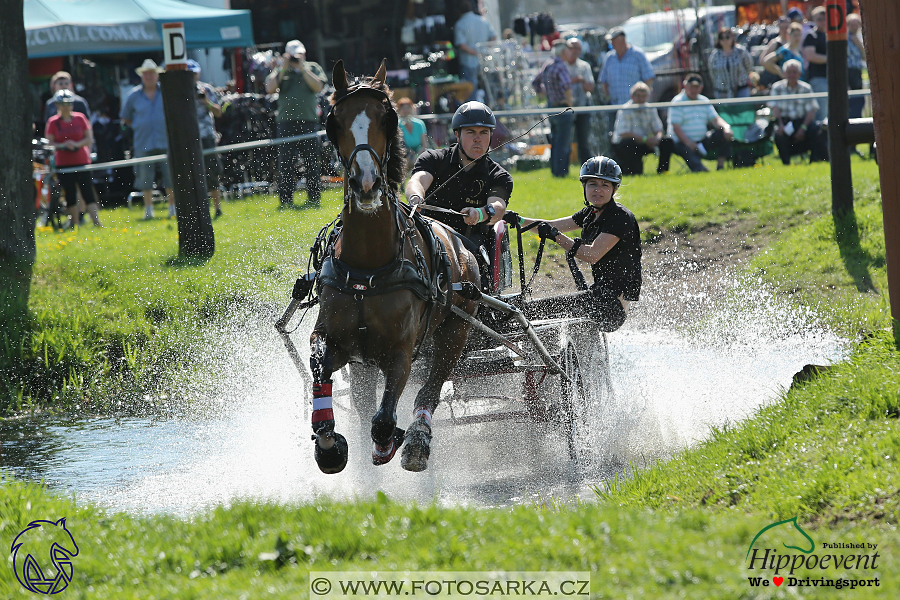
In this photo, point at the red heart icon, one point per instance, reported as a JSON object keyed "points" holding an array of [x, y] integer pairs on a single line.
{"points": [[777, 580]]}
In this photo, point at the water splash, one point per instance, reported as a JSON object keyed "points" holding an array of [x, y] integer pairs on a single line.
{"points": [[729, 347]]}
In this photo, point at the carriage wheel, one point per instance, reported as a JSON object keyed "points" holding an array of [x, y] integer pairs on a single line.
{"points": [[572, 399], [585, 359]]}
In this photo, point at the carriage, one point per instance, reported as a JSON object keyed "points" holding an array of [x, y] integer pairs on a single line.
{"points": [[549, 371], [420, 301]]}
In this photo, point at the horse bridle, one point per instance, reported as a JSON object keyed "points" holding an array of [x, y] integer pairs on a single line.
{"points": [[392, 121]]}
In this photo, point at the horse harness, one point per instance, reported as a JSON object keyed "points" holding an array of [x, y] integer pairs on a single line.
{"points": [[429, 282]]}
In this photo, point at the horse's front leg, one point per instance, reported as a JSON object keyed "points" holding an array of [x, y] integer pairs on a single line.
{"points": [[386, 437], [331, 447]]}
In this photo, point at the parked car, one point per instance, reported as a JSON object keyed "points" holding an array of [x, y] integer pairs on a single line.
{"points": [[677, 42]]}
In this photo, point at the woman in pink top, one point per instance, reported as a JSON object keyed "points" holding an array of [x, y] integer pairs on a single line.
{"points": [[70, 133]]}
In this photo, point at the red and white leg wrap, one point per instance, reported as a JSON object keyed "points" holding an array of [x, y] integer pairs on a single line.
{"points": [[322, 403], [424, 413]]}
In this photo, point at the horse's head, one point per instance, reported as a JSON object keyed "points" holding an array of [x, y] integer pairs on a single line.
{"points": [[362, 125]]}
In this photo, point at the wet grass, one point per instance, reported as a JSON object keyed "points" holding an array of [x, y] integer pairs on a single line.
{"points": [[114, 312], [267, 551]]}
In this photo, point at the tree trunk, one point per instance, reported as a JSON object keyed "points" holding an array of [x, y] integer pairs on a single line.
{"points": [[195, 231], [881, 30], [17, 195]]}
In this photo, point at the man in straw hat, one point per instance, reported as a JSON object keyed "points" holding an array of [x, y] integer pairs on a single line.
{"points": [[143, 112]]}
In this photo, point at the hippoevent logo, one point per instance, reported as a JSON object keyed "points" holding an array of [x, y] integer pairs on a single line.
{"points": [[806, 567], [42, 556]]}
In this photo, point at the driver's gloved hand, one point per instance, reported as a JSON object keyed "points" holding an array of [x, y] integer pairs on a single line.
{"points": [[512, 218], [546, 230]]}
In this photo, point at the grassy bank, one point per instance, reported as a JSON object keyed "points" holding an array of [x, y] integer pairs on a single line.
{"points": [[826, 452], [267, 551]]}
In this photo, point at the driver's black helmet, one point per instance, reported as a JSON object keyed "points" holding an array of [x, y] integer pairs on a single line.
{"points": [[601, 167], [473, 114]]}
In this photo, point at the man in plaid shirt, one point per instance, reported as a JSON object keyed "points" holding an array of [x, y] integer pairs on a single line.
{"points": [[638, 132], [554, 81], [795, 118]]}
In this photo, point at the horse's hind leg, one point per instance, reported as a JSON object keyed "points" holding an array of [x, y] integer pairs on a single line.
{"points": [[331, 447], [386, 437], [449, 340], [363, 387]]}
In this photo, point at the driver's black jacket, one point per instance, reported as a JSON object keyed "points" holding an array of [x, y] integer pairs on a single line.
{"points": [[618, 272], [470, 188]]}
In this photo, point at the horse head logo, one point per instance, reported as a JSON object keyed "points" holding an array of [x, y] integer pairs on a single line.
{"points": [[812, 544], [31, 548]]}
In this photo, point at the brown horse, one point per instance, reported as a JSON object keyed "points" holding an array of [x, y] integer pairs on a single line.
{"points": [[380, 298]]}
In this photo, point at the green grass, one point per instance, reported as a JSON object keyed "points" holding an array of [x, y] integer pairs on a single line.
{"points": [[115, 313], [825, 452], [266, 551]]}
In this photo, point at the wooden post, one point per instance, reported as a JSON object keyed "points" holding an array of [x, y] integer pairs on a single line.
{"points": [[881, 22], [17, 202], [838, 108], [179, 94]]}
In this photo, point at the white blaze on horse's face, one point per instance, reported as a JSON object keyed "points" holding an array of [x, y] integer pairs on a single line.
{"points": [[369, 200]]}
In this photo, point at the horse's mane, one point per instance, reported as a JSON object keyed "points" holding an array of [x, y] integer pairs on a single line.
{"points": [[397, 162]]}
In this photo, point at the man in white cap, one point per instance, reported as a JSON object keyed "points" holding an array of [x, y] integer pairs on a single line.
{"points": [[143, 112], [297, 81], [208, 106]]}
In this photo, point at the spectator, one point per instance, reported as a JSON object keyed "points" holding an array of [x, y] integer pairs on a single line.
{"points": [[815, 46], [61, 80], [796, 127], [70, 133], [582, 78], [638, 132], [623, 67], [774, 61], [767, 78], [143, 112], [688, 127], [298, 82], [208, 106], [554, 81], [856, 62], [730, 67], [470, 30], [415, 135], [779, 40]]}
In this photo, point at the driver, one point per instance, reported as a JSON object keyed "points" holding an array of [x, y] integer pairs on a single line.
{"points": [[480, 192], [610, 241]]}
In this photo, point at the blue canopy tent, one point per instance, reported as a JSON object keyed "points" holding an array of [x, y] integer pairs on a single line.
{"points": [[67, 27]]}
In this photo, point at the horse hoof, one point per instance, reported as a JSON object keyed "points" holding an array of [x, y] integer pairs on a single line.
{"points": [[384, 428], [334, 459], [381, 455], [418, 447]]}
